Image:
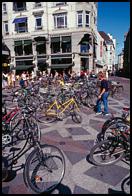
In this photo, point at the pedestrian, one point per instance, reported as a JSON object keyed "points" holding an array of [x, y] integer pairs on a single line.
{"points": [[27, 77], [9, 80], [103, 95], [22, 82], [4, 80], [24, 78], [13, 79]]}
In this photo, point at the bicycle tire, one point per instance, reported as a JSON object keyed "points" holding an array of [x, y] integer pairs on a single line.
{"points": [[33, 174], [125, 186], [76, 117], [103, 148], [112, 126], [43, 117], [4, 169], [90, 101]]}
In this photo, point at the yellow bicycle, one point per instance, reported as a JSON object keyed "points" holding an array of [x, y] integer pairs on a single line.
{"points": [[58, 111]]}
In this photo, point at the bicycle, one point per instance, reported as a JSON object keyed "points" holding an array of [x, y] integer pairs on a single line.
{"points": [[112, 150], [43, 160], [115, 123], [57, 110]]}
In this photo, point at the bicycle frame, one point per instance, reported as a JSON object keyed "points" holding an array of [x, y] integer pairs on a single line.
{"points": [[10, 114], [60, 106]]}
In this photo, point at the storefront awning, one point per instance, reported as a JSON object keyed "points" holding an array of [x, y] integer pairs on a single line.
{"points": [[37, 39], [20, 20], [86, 39], [61, 66]]}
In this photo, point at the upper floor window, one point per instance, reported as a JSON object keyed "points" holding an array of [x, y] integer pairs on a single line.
{"points": [[37, 4], [87, 19], [21, 25], [80, 18], [4, 8], [19, 6], [60, 3], [6, 30], [38, 22], [60, 20]]}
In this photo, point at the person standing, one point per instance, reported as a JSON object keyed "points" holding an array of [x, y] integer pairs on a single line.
{"points": [[9, 79], [4, 80], [13, 79], [24, 78], [103, 95]]}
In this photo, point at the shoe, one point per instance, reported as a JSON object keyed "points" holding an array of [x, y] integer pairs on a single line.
{"points": [[107, 114], [97, 113]]}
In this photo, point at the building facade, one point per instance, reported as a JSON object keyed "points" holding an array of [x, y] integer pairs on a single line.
{"points": [[101, 53], [110, 44], [126, 62], [120, 60], [55, 35]]}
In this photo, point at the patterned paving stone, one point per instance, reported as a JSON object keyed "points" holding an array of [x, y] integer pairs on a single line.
{"points": [[5, 190], [78, 131], [79, 190], [75, 157], [109, 174]]}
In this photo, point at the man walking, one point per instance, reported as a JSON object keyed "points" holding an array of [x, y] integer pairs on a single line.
{"points": [[103, 95]]}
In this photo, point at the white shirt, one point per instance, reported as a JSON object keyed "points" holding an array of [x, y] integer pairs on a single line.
{"points": [[24, 76]]}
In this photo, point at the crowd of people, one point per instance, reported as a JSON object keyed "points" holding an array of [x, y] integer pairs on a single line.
{"points": [[9, 80]]}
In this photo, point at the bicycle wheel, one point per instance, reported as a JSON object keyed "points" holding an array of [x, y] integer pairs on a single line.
{"points": [[114, 128], [44, 169], [76, 117], [4, 169], [90, 101], [106, 152], [125, 186], [43, 117]]}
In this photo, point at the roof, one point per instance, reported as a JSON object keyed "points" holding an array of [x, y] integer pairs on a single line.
{"points": [[105, 36]]}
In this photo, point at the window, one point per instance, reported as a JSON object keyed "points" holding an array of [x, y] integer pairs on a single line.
{"points": [[4, 8], [87, 18], [6, 30], [41, 47], [19, 6], [27, 47], [95, 20], [37, 4], [55, 44], [80, 18], [84, 48], [18, 48], [66, 44], [60, 3], [60, 20], [23, 47], [21, 27], [38, 24]]}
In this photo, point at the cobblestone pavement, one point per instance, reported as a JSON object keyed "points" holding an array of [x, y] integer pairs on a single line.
{"points": [[76, 140]]}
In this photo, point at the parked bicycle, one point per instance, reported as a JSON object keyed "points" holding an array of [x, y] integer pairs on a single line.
{"points": [[44, 167]]}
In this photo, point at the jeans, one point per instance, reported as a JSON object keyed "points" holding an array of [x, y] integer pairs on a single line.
{"points": [[103, 99]]}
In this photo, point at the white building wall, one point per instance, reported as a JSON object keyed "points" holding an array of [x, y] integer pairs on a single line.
{"points": [[48, 25]]}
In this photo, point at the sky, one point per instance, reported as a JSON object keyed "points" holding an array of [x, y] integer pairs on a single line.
{"points": [[114, 18]]}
